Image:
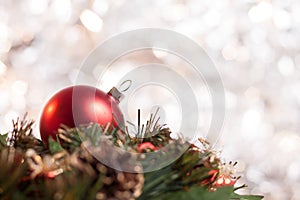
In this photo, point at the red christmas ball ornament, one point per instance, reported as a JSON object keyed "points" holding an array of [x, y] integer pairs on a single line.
{"points": [[78, 105]]}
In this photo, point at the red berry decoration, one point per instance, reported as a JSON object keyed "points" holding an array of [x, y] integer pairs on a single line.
{"points": [[224, 181], [146, 145], [79, 105]]}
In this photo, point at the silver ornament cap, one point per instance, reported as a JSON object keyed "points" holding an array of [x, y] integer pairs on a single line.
{"points": [[114, 92]]}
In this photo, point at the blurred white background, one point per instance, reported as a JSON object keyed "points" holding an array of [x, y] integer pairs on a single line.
{"points": [[254, 44]]}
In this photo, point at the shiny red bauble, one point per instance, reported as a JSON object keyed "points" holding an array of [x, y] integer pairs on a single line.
{"points": [[79, 105]]}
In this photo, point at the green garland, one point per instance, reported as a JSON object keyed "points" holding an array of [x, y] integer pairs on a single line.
{"points": [[66, 169]]}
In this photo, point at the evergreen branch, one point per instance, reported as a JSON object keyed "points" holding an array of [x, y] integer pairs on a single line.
{"points": [[68, 171], [3, 141], [22, 137]]}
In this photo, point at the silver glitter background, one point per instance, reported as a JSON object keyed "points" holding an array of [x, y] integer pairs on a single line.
{"points": [[254, 44]]}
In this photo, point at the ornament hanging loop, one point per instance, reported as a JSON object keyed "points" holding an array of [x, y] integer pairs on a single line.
{"points": [[125, 85]]}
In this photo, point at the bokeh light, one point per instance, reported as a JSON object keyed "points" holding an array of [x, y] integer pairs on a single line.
{"points": [[254, 44]]}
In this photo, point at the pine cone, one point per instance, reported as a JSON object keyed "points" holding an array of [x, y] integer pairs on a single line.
{"points": [[116, 184]]}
